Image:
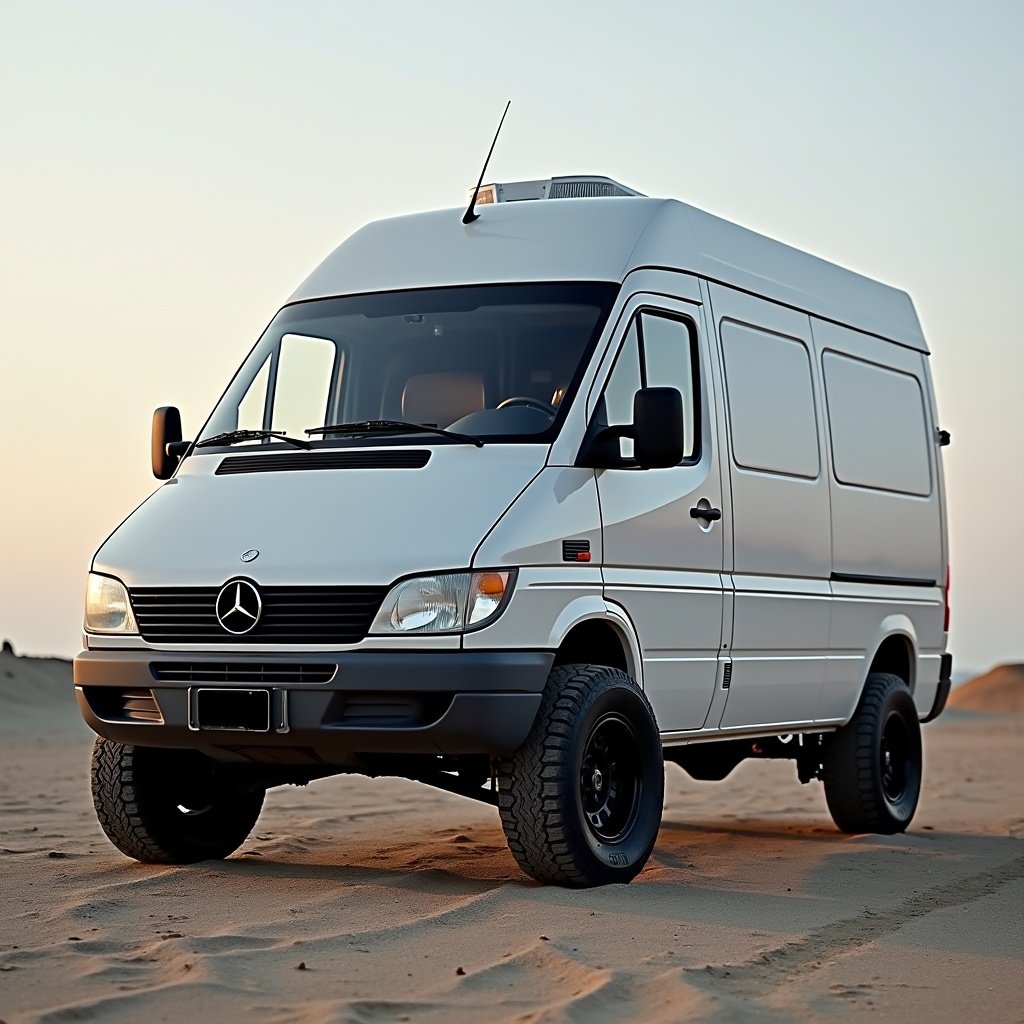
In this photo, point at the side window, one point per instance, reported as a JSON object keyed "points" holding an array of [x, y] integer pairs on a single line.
{"points": [[670, 360], [254, 402], [659, 351], [771, 401], [622, 386], [877, 421], [304, 370], [624, 382]]}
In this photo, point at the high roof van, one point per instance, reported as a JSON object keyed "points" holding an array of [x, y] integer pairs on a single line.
{"points": [[521, 508]]}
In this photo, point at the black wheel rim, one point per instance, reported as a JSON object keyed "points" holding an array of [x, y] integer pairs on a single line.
{"points": [[611, 779], [192, 787], [194, 812], [894, 758]]}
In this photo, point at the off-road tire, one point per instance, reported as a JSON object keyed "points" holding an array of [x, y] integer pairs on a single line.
{"points": [[140, 794], [541, 791], [865, 790]]}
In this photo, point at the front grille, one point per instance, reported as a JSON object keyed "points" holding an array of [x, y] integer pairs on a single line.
{"points": [[268, 674], [290, 462], [291, 615]]}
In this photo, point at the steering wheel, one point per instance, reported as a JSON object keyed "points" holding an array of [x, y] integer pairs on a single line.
{"points": [[530, 403]]}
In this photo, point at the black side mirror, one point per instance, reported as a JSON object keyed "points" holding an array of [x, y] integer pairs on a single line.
{"points": [[656, 431], [658, 440], [166, 445]]}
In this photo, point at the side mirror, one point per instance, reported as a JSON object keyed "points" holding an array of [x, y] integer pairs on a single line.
{"points": [[166, 445], [658, 440]]}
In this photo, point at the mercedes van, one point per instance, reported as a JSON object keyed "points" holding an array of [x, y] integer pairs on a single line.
{"points": [[522, 508]]}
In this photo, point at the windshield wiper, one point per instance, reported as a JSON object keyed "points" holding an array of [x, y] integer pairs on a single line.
{"points": [[392, 427], [236, 436]]}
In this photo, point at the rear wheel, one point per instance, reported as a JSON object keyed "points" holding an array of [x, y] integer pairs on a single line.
{"points": [[873, 765], [164, 806], [581, 800]]}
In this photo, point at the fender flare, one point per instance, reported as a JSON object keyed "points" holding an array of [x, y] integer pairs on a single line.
{"points": [[891, 626], [595, 608], [897, 625]]}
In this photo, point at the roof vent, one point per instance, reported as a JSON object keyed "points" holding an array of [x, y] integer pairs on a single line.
{"points": [[577, 186]]}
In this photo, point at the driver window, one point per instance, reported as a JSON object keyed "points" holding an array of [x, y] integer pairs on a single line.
{"points": [[669, 349], [658, 351]]}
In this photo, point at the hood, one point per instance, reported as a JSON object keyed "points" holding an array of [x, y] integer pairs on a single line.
{"points": [[351, 526]]}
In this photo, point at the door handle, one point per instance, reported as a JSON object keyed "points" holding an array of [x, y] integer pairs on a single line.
{"points": [[710, 514]]}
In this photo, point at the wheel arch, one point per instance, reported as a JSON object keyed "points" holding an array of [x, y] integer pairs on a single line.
{"points": [[895, 651], [598, 633]]}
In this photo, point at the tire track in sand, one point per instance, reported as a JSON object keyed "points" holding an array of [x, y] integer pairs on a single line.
{"points": [[757, 977]]}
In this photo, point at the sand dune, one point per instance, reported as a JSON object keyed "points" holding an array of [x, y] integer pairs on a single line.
{"points": [[34, 689], [1000, 691], [367, 901]]}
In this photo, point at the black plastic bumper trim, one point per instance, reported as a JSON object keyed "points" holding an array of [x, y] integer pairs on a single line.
{"points": [[469, 671], [485, 703], [474, 723], [942, 693]]}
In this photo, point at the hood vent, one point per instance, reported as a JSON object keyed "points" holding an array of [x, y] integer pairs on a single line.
{"points": [[292, 462]]}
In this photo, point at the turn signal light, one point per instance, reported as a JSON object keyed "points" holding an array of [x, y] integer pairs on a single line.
{"points": [[491, 583], [486, 596]]}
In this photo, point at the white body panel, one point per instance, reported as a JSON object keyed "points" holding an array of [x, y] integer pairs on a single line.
{"points": [[363, 527], [780, 511], [882, 532], [662, 567]]}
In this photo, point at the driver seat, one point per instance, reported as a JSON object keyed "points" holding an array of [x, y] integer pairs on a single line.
{"points": [[438, 399]]}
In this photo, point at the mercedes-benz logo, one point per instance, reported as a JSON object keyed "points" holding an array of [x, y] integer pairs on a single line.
{"points": [[238, 606]]}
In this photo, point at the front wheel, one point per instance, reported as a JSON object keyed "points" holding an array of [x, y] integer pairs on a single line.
{"points": [[873, 764], [164, 806], [581, 799]]}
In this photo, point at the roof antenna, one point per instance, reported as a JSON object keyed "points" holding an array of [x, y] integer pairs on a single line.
{"points": [[471, 215]]}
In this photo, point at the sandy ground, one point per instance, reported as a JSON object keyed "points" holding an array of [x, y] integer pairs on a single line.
{"points": [[364, 901]]}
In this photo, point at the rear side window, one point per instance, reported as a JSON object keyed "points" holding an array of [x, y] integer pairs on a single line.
{"points": [[771, 402], [877, 421]]}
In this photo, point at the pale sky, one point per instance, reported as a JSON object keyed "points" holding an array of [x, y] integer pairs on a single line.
{"points": [[169, 172]]}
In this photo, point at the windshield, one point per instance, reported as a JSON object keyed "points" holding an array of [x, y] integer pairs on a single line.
{"points": [[498, 362]]}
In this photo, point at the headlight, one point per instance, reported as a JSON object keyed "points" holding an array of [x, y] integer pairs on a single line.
{"points": [[449, 602], [107, 608]]}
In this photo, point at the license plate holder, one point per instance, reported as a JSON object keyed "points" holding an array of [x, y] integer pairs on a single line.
{"points": [[230, 709]]}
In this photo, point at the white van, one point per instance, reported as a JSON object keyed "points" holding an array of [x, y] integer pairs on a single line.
{"points": [[520, 508]]}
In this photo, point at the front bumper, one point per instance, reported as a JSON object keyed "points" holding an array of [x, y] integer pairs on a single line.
{"points": [[450, 702]]}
